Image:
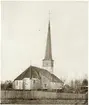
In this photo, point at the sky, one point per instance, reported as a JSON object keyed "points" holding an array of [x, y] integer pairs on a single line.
{"points": [[24, 27]]}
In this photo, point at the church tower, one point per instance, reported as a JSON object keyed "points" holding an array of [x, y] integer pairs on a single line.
{"points": [[48, 61]]}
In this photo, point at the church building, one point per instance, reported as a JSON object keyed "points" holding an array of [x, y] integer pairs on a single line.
{"points": [[40, 78]]}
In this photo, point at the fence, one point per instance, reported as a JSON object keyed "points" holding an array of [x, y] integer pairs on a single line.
{"points": [[16, 94]]}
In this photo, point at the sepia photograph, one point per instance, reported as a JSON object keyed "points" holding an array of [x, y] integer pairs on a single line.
{"points": [[44, 52]]}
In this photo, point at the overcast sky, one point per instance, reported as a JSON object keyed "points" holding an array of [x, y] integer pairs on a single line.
{"points": [[24, 33]]}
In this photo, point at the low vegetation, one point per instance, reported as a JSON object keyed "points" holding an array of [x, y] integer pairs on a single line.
{"points": [[76, 86]]}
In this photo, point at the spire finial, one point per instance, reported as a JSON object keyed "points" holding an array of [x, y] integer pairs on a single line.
{"points": [[49, 15]]}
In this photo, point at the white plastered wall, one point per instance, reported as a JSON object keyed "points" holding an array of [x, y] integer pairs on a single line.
{"points": [[50, 69], [56, 85], [26, 83], [47, 64], [35, 83], [18, 84], [45, 82]]}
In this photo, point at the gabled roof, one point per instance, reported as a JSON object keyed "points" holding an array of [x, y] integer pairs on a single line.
{"points": [[35, 72]]}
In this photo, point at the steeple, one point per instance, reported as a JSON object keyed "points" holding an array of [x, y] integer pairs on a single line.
{"points": [[47, 61], [48, 53]]}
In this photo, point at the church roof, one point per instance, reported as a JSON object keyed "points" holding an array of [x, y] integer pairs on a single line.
{"points": [[35, 72]]}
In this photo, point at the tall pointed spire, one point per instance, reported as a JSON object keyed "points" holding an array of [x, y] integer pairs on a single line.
{"points": [[48, 53], [47, 61]]}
